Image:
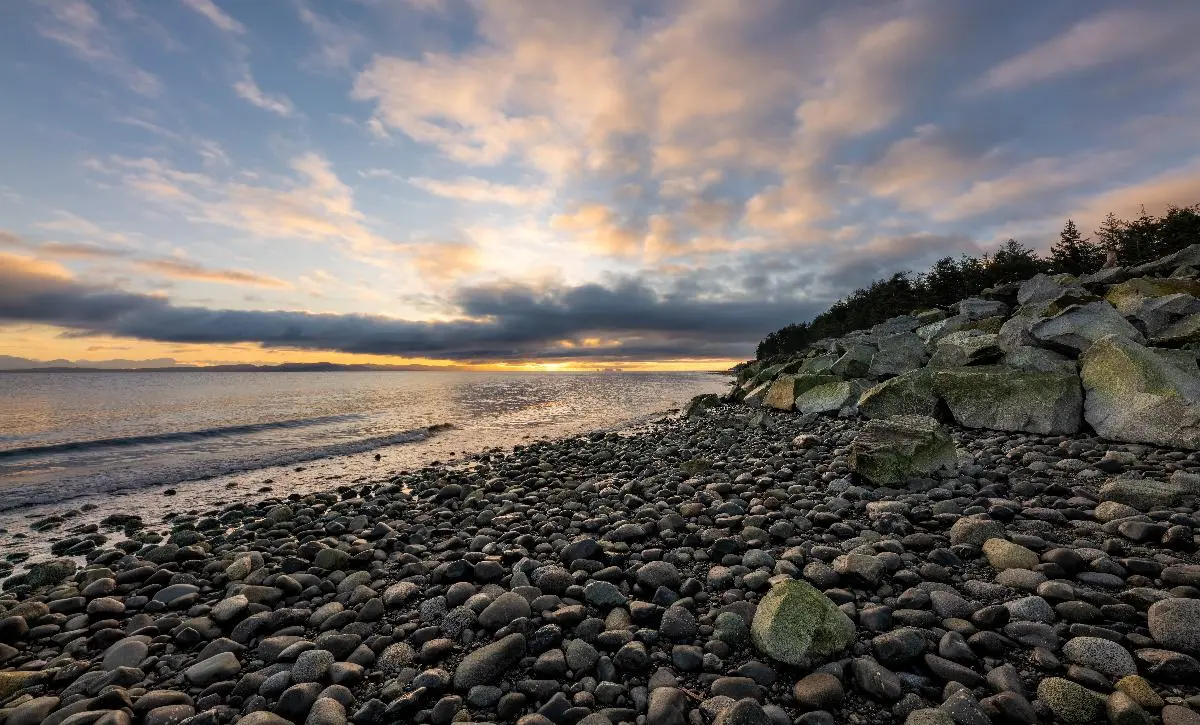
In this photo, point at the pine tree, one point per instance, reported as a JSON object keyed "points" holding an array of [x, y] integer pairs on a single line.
{"points": [[1074, 254], [1110, 236]]}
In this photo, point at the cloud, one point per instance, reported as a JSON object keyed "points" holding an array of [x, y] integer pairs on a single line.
{"points": [[600, 230], [337, 43], [216, 16], [182, 269], [473, 189], [500, 322], [77, 26], [248, 89], [60, 250], [1096, 41]]}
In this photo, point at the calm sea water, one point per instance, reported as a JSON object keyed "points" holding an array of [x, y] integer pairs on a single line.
{"points": [[70, 435]]}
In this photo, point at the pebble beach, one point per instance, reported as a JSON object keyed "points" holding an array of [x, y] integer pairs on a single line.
{"points": [[648, 576]]}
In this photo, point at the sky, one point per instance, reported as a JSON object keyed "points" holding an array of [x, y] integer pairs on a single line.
{"points": [[549, 184]]}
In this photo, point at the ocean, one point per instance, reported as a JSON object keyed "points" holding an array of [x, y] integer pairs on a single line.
{"points": [[75, 438]]}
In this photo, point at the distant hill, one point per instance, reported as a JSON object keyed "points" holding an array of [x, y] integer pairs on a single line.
{"points": [[9, 364]]}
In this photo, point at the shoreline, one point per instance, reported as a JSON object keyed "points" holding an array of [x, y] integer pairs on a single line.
{"points": [[605, 577]]}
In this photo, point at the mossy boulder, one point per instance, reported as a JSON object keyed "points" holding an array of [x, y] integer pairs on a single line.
{"points": [[854, 362], [897, 354], [829, 397], [786, 388], [996, 397], [1136, 394], [965, 347], [907, 394], [892, 450], [798, 625], [818, 363], [13, 682], [1129, 296], [1075, 329]]}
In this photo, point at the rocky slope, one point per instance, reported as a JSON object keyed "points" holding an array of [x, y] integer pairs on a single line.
{"points": [[1113, 353]]}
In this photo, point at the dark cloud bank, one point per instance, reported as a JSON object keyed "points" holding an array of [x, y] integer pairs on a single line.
{"points": [[512, 322]]}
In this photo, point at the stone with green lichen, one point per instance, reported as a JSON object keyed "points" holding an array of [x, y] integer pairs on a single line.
{"points": [[897, 354], [756, 394], [996, 397], [818, 363], [829, 397], [965, 347], [1038, 360], [1185, 331], [1069, 701], [786, 388], [700, 404], [1075, 329], [1129, 296], [854, 362], [907, 394], [892, 450], [798, 625], [1136, 394], [990, 325]]}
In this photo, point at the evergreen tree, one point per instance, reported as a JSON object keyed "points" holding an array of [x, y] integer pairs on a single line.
{"points": [[1110, 234], [1074, 254]]}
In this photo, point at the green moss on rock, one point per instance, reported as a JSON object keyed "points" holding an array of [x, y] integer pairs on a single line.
{"points": [[907, 394], [893, 450], [998, 397], [798, 625]]}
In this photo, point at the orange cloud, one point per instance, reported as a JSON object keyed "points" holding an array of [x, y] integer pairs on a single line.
{"points": [[180, 269]]}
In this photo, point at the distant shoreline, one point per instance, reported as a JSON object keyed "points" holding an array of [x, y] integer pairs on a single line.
{"points": [[322, 368]]}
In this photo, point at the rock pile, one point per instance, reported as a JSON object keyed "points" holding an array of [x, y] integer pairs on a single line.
{"points": [[726, 567], [1113, 352]]}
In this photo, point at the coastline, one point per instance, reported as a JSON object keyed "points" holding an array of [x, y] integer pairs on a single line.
{"points": [[607, 576]]}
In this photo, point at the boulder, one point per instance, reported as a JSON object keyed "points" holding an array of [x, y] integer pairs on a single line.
{"points": [[700, 405], [1154, 300], [1133, 393], [898, 354], [908, 394], [965, 347], [977, 308], [818, 364], [786, 388], [1184, 331], [1043, 288], [1001, 398], [943, 327], [829, 397], [1187, 257], [798, 625], [892, 450], [1038, 360], [1075, 329], [854, 362]]}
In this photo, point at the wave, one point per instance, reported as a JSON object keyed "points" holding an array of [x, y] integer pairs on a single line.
{"points": [[177, 437], [113, 481]]}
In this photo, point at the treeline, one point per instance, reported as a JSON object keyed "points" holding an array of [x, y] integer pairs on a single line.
{"points": [[1127, 241]]}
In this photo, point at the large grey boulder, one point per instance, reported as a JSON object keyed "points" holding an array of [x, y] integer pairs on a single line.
{"points": [[1136, 394], [1183, 331], [1078, 326], [996, 397], [1038, 360], [1043, 288], [854, 362], [943, 327], [965, 347], [798, 625], [977, 308], [892, 450], [829, 397], [1154, 304], [818, 364], [907, 394], [898, 354], [786, 388], [1186, 257]]}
